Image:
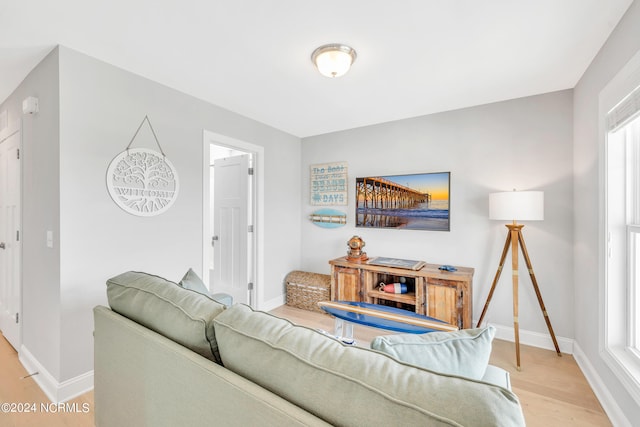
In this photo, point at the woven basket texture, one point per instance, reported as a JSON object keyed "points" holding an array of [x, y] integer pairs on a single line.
{"points": [[305, 290]]}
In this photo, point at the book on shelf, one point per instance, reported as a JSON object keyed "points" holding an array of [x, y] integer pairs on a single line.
{"points": [[397, 263]]}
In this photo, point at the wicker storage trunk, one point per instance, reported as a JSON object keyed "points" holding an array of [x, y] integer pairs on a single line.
{"points": [[305, 289]]}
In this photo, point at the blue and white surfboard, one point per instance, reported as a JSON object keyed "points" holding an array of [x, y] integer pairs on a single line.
{"points": [[328, 218]]}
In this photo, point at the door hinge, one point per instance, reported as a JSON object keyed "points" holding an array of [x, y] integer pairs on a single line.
{"points": [[250, 286], [17, 317], [250, 229], [250, 171], [17, 235], [18, 154]]}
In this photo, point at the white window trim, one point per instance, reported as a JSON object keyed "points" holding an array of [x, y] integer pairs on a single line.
{"points": [[622, 360], [634, 293]]}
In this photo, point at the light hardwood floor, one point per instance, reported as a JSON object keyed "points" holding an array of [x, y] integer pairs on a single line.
{"points": [[31, 407], [552, 389]]}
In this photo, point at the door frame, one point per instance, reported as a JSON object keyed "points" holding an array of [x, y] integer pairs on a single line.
{"points": [[16, 127], [257, 211]]}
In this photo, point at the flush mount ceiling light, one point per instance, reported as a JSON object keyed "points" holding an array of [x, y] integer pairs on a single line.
{"points": [[333, 60]]}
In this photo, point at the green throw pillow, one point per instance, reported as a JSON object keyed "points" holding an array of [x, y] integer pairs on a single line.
{"points": [[193, 282], [464, 353]]}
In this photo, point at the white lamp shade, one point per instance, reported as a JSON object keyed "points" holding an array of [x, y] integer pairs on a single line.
{"points": [[333, 60], [517, 206]]}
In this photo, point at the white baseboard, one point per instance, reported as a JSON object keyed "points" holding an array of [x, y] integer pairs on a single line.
{"points": [[56, 391], [534, 339], [273, 303], [608, 402]]}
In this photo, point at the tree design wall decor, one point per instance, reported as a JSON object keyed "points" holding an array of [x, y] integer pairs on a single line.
{"points": [[142, 182]]}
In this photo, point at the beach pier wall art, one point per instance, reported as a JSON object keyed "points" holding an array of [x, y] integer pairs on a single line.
{"points": [[410, 202]]}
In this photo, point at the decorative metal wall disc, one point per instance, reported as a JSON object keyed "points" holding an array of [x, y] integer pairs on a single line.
{"points": [[142, 182]]}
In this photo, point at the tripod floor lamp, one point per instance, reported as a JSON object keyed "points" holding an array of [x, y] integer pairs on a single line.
{"points": [[523, 206]]}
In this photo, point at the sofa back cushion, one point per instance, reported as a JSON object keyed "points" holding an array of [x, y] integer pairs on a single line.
{"points": [[179, 314], [348, 385]]}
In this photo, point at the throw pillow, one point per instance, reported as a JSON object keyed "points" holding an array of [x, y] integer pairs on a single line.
{"points": [[464, 353], [193, 282]]}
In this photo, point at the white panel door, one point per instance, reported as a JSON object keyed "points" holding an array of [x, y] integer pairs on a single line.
{"points": [[10, 252], [231, 227]]}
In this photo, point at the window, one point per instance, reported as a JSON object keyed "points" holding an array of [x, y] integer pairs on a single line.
{"points": [[632, 142], [622, 230], [634, 285]]}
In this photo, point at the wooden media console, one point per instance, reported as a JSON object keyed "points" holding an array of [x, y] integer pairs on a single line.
{"points": [[444, 295]]}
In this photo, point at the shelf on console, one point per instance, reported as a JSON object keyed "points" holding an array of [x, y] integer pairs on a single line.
{"points": [[408, 298]]}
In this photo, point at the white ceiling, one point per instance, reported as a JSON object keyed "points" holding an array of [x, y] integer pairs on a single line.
{"points": [[415, 57]]}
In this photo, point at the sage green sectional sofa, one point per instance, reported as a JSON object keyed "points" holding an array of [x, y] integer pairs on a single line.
{"points": [[168, 356]]}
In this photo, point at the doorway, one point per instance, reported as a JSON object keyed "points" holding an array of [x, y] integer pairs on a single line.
{"points": [[10, 238], [232, 218]]}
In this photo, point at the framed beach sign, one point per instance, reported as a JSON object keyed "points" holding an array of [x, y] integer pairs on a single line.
{"points": [[410, 202], [329, 184]]}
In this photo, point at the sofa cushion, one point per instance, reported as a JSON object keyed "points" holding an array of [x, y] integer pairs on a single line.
{"points": [[181, 315], [497, 376], [324, 376], [465, 352]]}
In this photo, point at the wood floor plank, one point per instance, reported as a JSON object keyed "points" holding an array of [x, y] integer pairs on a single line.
{"points": [[29, 405], [557, 377], [542, 411]]}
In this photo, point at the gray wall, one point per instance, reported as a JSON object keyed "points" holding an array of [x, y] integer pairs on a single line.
{"points": [[68, 147], [621, 46], [40, 212], [101, 107], [523, 144]]}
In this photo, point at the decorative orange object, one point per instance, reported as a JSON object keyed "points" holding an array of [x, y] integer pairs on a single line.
{"points": [[355, 252]]}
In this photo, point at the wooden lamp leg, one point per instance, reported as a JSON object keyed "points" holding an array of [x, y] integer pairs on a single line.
{"points": [[538, 294], [514, 230], [496, 278]]}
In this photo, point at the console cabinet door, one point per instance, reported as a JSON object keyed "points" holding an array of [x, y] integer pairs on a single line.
{"points": [[444, 301], [347, 285]]}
